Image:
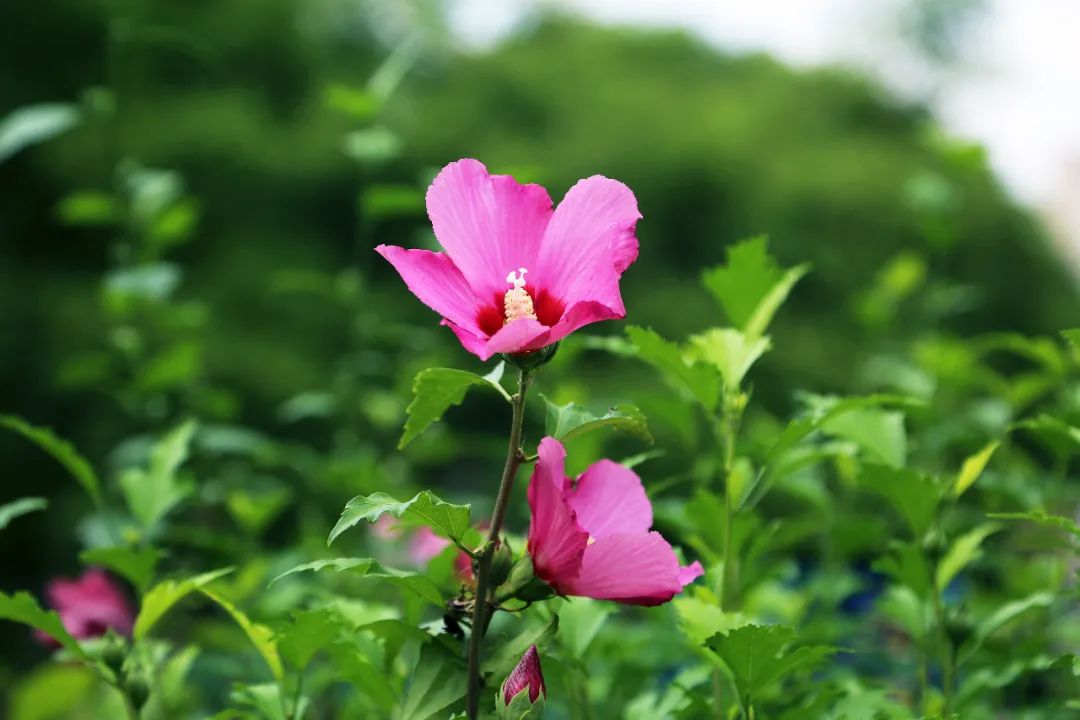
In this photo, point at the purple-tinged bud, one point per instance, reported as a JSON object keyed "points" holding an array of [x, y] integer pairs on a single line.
{"points": [[522, 695]]}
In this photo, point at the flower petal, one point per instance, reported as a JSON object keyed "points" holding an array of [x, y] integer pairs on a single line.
{"points": [[522, 335], [488, 224], [608, 498], [580, 314], [434, 279], [630, 568], [556, 542], [589, 242]]}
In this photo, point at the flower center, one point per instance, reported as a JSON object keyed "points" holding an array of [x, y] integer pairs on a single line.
{"points": [[517, 303]]}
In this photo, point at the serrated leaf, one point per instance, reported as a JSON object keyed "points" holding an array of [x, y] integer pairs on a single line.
{"points": [[23, 608], [136, 564], [34, 124], [731, 352], [566, 422], [961, 553], [702, 382], [308, 634], [751, 286], [18, 508], [436, 390], [61, 450], [260, 636], [167, 593], [1057, 522], [425, 508], [915, 496], [973, 468], [700, 619], [154, 491], [756, 657], [418, 583]]}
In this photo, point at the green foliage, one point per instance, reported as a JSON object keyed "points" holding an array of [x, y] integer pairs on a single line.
{"points": [[914, 495], [260, 636], [436, 390], [425, 508], [566, 422], [702, 382], [61, 450], [153, 491], [17, 508], [751, 286], [756, 656], [731, 352], [23, 608], [160, 598], [136, 564], [34, 124], [419, 584], [437, 683]]}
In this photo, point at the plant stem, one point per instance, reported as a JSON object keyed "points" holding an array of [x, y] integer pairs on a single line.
{"points": [[514, 457], [726, 432], [947, 652]]}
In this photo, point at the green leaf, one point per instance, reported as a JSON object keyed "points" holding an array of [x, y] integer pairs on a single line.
{"points": [[309, 633], [61, 450], [700, 619], [908, 566], [751, 286], [973, 468], [165, 594], [914, 495], [154, 491], [1059, 437], [879, 432], [961, 553], [580, 620], [756, 657], [34, 124], [999, 619], [1072, 337], [425, 508], [18, 508], [438, 681], [566, 422], [418, 583], [23, 608], [729, 351], [51, 692], [701, 381], [136, 564], [1038, 516], [260, 636], [508, 652], [87, 208], [436, 390]]}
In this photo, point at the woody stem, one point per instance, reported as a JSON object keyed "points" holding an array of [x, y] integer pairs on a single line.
{"points": [[514, 457]]}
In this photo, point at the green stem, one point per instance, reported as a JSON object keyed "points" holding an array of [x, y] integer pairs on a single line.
{"points": [[514, 457], [726, 432], [948, 657]]}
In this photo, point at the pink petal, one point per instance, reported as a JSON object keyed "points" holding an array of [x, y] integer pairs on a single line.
{"points": [[527, 674], [434, 279], [556, 543], [580, 314], [425, 545], [632, 569], [488, 224], [589, 242], [522, 335], [90, 604], [608, 498]]}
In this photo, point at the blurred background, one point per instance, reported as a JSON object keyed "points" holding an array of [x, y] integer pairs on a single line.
{"points": [[191, 193]]}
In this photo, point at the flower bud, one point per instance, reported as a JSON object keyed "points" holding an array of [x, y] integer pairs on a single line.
{"points": [[523, 584], [501, 564], [138, 691], [531, 360], [114, 652], [522, 695]]}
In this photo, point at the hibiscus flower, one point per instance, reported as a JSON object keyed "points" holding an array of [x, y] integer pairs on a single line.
{"points": [[517, 274], [591, 536]]}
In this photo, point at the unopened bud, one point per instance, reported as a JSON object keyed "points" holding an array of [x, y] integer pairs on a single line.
{"points": [[532, 360], [138, 691], [114, 653], [501, 564], [522, 584], [523, 694]]}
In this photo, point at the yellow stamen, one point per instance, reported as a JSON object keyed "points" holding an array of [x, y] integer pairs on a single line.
{"points": [[516, 302]]}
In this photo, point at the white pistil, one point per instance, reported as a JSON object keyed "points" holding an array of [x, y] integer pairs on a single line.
{"points": [[516, 302]]}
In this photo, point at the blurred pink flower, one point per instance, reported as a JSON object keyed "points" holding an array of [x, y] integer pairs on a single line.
{"points": [[495, 232], [591, 537], [425, 545], [387, 527], [89, 605], [527, 674]]}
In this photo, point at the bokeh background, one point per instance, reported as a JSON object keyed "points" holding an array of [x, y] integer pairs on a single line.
{"points": [[193, 234]]}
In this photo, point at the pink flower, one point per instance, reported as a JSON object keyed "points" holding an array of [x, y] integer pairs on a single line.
{"points": [[89, 606], [495, 232], [527, 674], [425, 545], [591, 537]]}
